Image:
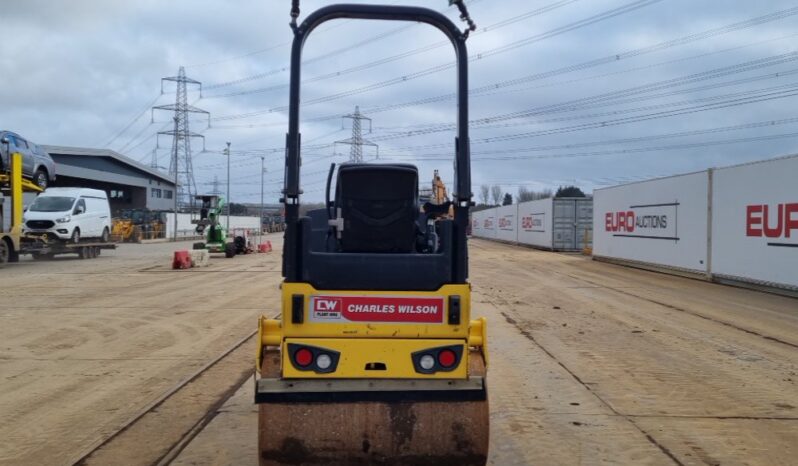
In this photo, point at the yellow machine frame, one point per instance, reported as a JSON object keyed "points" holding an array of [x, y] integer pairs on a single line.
{"points": [[360, 343]]}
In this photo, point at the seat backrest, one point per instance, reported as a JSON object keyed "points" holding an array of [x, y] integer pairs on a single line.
{"points": [[379, 206]]}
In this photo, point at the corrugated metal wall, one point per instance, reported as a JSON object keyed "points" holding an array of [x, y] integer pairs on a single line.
{"points": [[572, 223], [561, 224]]}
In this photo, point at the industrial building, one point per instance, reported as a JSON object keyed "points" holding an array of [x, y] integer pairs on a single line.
{"points": [[129, 184]]}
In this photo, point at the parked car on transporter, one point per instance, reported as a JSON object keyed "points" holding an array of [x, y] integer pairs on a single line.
{"points": [[70, 214], [36, 162]]}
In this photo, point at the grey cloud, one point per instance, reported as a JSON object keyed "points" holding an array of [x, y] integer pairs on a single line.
{"points": [[77, 72]]}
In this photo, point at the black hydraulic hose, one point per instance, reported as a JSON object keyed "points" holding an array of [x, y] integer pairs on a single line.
{"points": [[327, 196]]}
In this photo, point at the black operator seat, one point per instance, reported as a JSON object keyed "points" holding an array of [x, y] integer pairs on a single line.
{"points": [[376, 208]]}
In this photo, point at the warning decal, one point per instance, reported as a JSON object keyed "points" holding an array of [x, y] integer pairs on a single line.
{"points": [[376, 309]]}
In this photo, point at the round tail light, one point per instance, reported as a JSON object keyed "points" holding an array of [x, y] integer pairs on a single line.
{"points": [[303, 357], [447, 358]]}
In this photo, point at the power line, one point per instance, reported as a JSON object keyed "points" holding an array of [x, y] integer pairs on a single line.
{"points": [[132, 122], [635, 150], [324, 56], [614, 58], [497, 88], [505, 48], [382, 61], [624, 95]]}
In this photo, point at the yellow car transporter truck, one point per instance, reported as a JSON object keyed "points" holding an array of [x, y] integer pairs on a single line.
{"points": [[12, 185], [376, 358], [13, 241]]}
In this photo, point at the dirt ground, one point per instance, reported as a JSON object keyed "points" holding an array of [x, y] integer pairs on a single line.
{"points": [[591, 363], [86, 344]]}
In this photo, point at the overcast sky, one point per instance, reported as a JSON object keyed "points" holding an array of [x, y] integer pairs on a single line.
{"points": [[585, 92]]}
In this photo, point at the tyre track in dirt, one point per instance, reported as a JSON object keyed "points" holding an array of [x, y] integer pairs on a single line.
{"points": [[679, 378], [87, 344]]}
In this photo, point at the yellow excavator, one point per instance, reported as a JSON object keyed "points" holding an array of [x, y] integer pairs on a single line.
{"points": [[376, 358]]}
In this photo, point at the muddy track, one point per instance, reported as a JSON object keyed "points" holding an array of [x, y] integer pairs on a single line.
{"points": [[698, 372], [88, 346], [116, 447]]}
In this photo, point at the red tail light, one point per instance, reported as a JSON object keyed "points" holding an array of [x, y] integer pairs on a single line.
{"points": [[447, 358], [312, 358], [440, 359], [303, 357]]}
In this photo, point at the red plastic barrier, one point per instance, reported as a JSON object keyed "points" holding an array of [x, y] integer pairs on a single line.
{"points": [[265, 247], [182, 260]]}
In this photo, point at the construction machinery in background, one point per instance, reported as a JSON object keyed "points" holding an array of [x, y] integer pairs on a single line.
{"points": [[438, 205], [208, 224], [155, 224], [135, 225], [375, 358], [126, 228]]}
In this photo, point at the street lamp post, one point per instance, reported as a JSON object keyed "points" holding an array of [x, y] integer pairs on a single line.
{"points": [[262, 171], [228, 187]]}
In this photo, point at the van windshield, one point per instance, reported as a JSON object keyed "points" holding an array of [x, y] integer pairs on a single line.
{"points": [[52, 204]]}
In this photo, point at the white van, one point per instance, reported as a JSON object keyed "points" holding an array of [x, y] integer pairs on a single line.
{"points": [[70, 214]]}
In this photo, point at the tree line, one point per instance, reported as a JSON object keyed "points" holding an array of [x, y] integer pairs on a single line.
{"points": [[492, 196]]}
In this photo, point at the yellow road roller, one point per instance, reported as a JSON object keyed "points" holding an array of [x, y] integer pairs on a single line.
{"points": [[376, 358]]}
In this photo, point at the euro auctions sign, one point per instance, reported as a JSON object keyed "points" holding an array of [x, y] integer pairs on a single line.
{"points": [[533, 222], [506, 222], [649, 221], [395, 309], [777, 223]]}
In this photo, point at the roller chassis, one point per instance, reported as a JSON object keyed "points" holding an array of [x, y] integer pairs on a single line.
{"points": [[375, 358]]}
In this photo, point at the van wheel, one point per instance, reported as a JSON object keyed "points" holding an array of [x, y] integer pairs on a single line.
{"points": [[40, 179], [106, 235], [76, 236]]}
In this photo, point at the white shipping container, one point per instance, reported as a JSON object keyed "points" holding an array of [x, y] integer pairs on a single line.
{"points": [[506, 223], [535, 223], [484, 223], [661, 221], [572, 223], [755, 222], [558, 224]]}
